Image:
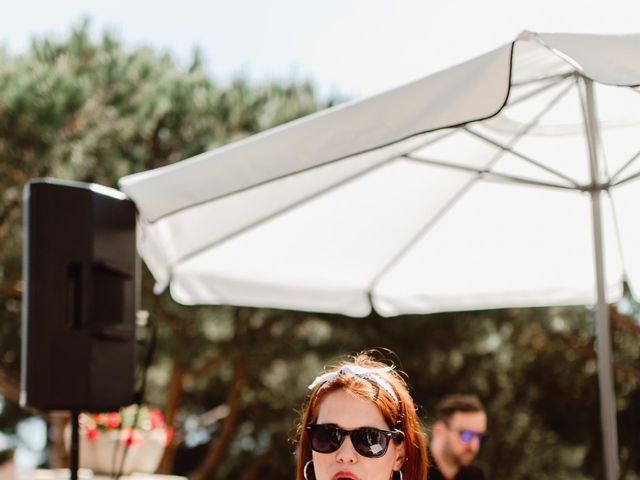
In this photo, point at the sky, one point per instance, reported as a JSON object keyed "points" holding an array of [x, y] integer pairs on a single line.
{"points": [[346, 48]]}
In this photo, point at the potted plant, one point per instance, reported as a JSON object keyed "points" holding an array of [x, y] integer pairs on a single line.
{"points": [[137, 433]]}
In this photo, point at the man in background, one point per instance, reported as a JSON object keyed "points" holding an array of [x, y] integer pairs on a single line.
{"points": [[458, 432]]}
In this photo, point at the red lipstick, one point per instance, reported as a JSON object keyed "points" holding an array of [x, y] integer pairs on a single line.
{"points": [[345, 475]]}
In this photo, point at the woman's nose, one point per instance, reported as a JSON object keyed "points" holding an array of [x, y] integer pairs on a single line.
{"points": [[346, 453]]}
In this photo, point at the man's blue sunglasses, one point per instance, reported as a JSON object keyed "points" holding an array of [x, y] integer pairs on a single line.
{"points": [[467, 435]]}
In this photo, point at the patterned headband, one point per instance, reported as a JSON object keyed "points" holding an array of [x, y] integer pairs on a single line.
{"points": [[370, 374]]}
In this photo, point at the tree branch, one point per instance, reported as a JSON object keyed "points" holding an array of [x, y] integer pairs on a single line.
{"points": [[588, 351], [175, 391], [9, 388], [623, 322], [10, 290], [219, 446], [204, 367], [255, 468]]}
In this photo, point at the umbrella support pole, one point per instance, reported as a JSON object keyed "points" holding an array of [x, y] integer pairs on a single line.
{"points": [[603, 327]]}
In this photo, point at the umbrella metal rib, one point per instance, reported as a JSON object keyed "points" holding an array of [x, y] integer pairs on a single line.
{"points": [[627, 164], [298, 203], [627, 179], [553, 81], [556, 77], [526, 158], [297, 172], [522, 156], [454, 199], [488, 174], [616, 227]]}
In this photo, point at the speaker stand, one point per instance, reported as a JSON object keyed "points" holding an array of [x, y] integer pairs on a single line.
{"points": [[75, 445]]}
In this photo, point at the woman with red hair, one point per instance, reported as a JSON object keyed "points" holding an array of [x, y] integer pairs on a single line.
{"points": [[360, 423]]}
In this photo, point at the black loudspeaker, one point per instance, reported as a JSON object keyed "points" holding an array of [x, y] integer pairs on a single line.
{"points": [[81, 289]]}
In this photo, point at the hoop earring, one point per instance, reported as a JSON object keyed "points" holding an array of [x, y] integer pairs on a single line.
{"points": [[304, 471], [399, 472]]}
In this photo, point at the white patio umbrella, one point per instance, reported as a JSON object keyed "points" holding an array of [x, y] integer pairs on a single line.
{"points": [[510, 180]]}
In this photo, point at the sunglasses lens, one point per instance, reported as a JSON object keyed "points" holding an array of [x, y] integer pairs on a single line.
{"points": [[466, 436], [370, 442], [325, 438]]}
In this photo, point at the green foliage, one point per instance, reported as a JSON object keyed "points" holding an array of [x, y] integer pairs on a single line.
{"points": [[93, 111]]}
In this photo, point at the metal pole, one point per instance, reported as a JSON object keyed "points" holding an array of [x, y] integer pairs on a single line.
{"points": [[603, 328], [75, 445]]}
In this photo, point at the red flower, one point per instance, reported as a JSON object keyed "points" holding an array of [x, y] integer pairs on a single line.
{"points": [[92, 433], [157, 420], [113, 420], [101, 417]]}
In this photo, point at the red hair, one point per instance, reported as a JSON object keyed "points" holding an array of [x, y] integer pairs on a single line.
{"points": [[399, 415]]}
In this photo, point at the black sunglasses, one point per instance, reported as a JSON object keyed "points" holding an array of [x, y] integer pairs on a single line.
{"points": [[367, 441]]}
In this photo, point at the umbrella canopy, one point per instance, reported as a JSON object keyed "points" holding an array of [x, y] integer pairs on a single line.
{"points": [[509, 180], [462, 190]]}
